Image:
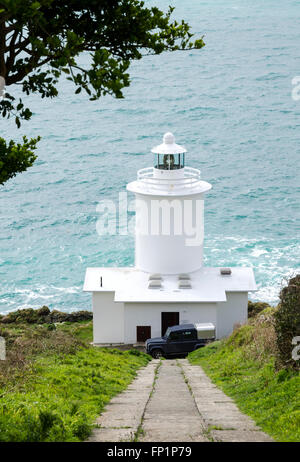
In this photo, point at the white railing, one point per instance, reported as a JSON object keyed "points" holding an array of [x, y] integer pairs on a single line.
{"points": [[190, 178]]}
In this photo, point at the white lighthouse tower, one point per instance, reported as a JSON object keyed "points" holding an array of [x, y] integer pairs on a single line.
{"points": [[169, 212], [168, 284]]}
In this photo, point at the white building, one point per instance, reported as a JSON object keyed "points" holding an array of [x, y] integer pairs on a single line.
{"points": [[168, 284]]}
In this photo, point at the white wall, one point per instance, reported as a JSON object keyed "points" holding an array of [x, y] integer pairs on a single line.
{"points": [[232, 312], [169, 233], [148, 314], [116, 322], [108, 318]]}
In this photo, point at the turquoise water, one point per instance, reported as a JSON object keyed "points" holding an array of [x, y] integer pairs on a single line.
{"points": [[230, 104]]}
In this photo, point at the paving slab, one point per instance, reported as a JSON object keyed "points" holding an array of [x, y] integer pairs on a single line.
{"points": [[122, 416], [171, 414], [218, 410], [112, 435], [240, 436], [174, 401]]}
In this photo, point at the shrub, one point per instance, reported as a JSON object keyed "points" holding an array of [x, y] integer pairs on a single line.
{"points": [[47, 420], [135, 352], [287, 323], [59, 396], [44, 316], [256, 307], [44, 311]]}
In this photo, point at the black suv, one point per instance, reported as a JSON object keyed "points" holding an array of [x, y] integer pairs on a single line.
{"points": [[180, 340]]}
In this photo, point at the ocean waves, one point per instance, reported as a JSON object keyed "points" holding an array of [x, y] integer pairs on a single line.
{"points": [[230, 104]]}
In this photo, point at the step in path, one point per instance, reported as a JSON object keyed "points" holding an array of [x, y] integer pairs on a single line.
{"points": [[174, 401]]}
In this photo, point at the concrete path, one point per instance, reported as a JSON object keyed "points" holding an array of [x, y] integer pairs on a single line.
{"points": [[171, 400], [222, 418], [122, 417], [172, 414]]}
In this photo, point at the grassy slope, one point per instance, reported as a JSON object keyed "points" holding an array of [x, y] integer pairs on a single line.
{"points": [[243, 366], [54, 385]]}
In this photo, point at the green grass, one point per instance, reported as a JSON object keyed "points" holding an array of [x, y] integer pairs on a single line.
{"points": [[82, 330], [58, 384], [244, 368]]}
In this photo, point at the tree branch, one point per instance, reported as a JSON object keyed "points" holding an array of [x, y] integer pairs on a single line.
{"points": [[11, 48], [2, 52], [32, 64]]}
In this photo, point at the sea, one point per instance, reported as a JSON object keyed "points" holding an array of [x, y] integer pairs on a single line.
{"points": [[235, 106]]}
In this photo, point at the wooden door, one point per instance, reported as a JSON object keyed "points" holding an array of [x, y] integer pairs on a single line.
{"points": [[168, 319], [143, 333]]}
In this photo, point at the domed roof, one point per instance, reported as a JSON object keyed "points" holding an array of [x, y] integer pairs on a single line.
{"points": [[168, 146]]}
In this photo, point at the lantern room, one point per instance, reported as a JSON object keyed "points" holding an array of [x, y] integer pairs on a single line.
{"points": [[169, 155]]}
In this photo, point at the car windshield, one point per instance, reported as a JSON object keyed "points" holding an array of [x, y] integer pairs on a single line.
{"points": [[167, 333]]}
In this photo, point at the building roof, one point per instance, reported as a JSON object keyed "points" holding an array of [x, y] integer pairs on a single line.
{"points": [[132, 285]]}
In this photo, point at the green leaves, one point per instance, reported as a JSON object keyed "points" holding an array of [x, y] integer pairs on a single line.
{"points": [[9, 108], [56, 33], [270, 397], [287, 323], [16, 158], [41, 40], [199, 43], [64, 387]]}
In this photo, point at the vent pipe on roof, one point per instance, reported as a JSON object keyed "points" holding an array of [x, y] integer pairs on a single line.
{"points": [[155, 284], [184, 277], [155, 277], [225, 271], [184, 284]]}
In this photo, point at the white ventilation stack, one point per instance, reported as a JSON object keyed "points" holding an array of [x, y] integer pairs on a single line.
{"points": [[169, 212]]}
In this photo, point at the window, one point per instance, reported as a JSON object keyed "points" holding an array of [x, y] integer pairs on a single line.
{"points": [[175, 335], [167, 333], [183, 335], [188, 335], [170, 161]]}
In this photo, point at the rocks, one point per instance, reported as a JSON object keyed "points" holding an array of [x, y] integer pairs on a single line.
{"points": [[44, 316], [44, 311], [77, 316], [57, 316]]}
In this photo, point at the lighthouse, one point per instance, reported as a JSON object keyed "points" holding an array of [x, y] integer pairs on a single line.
{"points": [[168, 285], [169, 212]]}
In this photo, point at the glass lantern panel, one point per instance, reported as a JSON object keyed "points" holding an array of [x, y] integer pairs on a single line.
{"points": [[169, 161]]}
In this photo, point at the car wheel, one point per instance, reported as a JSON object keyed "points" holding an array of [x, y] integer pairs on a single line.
{"points": [[156, 354]]}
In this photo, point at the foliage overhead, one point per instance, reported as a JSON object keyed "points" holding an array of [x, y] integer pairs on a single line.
{"points": [[41, 40], [16, 157]]}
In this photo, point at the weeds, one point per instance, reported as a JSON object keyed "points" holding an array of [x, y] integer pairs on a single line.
{"points": [[54, 384], [243, 366]]}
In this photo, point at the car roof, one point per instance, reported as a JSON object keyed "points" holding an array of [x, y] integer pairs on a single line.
{"points": [[182, 327]]}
